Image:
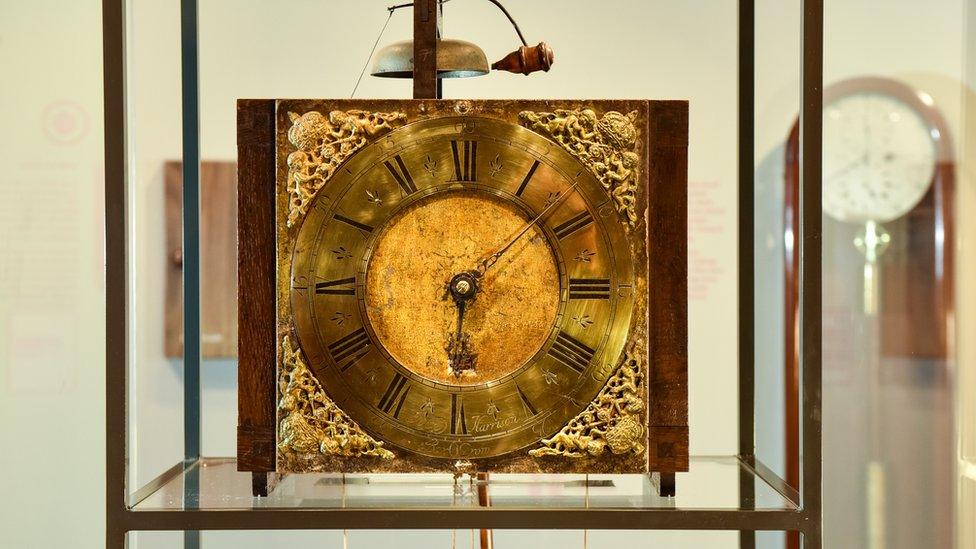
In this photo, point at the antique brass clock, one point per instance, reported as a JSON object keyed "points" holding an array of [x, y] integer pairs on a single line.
{"points": [[463, 286]]}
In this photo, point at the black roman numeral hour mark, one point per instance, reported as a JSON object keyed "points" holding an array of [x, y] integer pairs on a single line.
{"points": [[458, 424], [573, 224], [465, 160], [402, 176], [395, 394], [589, 288], [528, 176], [348, 350], [353, 223], [530, 409], [571, 352], [343, 286]]}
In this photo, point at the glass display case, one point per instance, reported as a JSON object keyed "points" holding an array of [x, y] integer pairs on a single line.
{"points": [[170, 370]]}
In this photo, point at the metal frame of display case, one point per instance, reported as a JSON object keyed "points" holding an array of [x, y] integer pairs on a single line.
{"points": [[806, 518]]}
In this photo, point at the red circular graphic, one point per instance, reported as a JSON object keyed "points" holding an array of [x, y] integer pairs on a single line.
{"points": [[65, 122]]}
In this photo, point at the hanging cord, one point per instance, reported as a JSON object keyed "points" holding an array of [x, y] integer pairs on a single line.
{"points": [[495, 2], [510, 20], [370, 56]]}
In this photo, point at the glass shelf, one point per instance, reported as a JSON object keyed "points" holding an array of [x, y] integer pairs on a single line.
{"points": [[713, 482]]}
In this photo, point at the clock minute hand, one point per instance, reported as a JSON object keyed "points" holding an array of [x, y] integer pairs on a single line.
{"points": [[490, 259]]}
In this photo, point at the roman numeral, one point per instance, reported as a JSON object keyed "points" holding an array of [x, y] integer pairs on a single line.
{"points": [[402, 176], [528, 176], [337, 287], [530, 409], [348, 350], [571, 352], [465, 160], [589, 288], [573, 224], [458, 425], [353, 223], [395, 394]]}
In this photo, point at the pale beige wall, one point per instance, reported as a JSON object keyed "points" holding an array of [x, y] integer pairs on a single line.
{"points": [[51, 300], [51, 284]]}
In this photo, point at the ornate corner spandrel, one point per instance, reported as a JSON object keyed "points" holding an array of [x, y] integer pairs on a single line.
{"points": [[607, 145], [612, 421], [322, 143], [310, 422]]}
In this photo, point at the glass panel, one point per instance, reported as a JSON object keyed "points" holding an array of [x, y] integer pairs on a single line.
{"points": [[155, 299], [777, 101], [891, 113], [712, 483], [250, 58]]}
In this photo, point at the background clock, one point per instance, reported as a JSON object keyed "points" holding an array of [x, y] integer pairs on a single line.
{"points": [[879, 156], [463, 286], [888, 232]]}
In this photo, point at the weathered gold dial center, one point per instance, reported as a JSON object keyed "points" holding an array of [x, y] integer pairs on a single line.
{"points": [[420, 276]]}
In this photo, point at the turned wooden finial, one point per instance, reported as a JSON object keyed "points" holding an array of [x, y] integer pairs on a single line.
{"points": [[527, 59]]}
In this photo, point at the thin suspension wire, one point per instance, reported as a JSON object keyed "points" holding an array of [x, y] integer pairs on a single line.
{"points": [[370, 56]]}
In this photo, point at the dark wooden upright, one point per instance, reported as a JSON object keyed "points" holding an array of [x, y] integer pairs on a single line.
{"points": [[425, 49], [667, 305], [256, 290]]}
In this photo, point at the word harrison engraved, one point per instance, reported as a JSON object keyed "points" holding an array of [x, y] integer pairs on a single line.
{"points": [[571, 352], [528, 177], [396, 393], [465, 156], [402, 176], [349, 349], [573, 224], [342, 286], [589, 288]]}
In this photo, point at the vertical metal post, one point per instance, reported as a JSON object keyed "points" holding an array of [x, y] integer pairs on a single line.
{"points": [[811, 136], [116, 274], [425, 49], [191, 230], [746, 208], [191, 246], [746, 256]]}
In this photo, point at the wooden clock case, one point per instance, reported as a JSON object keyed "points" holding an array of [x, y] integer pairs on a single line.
{"points": [[663, 183]]}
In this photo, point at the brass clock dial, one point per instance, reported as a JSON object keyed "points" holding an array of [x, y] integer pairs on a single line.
{"points": [[462, 287]]}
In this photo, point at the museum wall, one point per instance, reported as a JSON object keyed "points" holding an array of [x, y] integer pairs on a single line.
{"points": [[51, 296]]}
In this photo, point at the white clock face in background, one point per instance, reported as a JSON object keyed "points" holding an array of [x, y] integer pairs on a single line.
{"points": [[878, 158]]}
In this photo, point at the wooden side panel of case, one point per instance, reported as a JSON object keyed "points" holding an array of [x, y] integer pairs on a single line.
{"points": [[256, 284], [667, 251]]}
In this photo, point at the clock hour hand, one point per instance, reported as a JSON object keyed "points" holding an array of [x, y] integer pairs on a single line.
{"points": [[490, 259], [462, 288]]}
